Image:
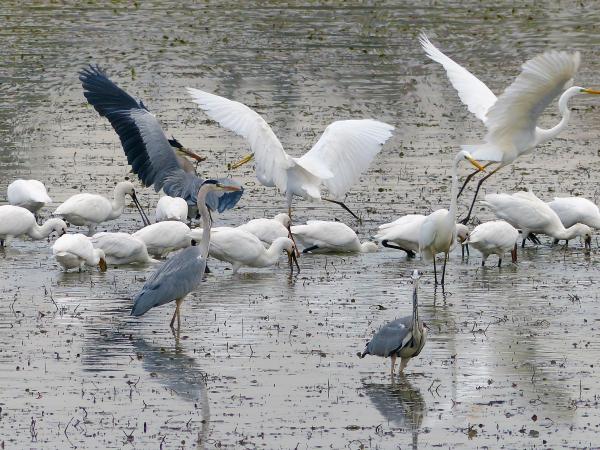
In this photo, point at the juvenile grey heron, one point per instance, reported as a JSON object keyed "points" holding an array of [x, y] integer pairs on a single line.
{"points": [[148, 150], [182, 273], [403, 337]]}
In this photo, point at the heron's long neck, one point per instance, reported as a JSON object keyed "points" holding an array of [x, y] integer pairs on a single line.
{"points": [[40, 232], [415, 314], [544, 135], [206, 222]]}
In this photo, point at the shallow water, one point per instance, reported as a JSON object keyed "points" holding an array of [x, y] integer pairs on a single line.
{"points": [[265, 360]]}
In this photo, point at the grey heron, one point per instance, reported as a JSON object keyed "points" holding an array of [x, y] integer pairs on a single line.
{"points": [[182, 273], [148, 150], [404, 337]]}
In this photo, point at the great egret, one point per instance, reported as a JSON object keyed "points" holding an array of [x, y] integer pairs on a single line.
{"points": [[16, 221], [182, 273], [148, 150], [267, 230], [494, 238], [163, 238], [525, 211], [241, 248], [511, 119], [28, 194], [92, 209], [171, 208], [121, 248], [74, 251], [438, 231], [319, 236], [336, 161], [403, 337]]}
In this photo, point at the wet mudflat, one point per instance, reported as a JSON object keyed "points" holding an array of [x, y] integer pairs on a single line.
{"points": [[265, 360]]}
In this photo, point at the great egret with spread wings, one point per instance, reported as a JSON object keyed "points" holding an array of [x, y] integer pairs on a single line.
{"points": [[336, 161], [511, 119]]}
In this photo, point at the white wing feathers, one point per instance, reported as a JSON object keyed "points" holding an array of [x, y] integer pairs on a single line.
{"points": [[472, 92], [271, 159], [345, 149]]}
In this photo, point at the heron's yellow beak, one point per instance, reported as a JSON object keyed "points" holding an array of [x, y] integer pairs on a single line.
{"points": [[242, 161], [590, 91], [229, 188], [476, 163], [191, 154]]}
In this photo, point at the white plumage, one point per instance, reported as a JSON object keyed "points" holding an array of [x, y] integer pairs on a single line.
{"points": [[267, 230], [17, 221], [121, 248], [319, 236], [494, 238], [28, 194], [402, 233], [163, 238], [572, 210], [171, 208], [74, 251]]}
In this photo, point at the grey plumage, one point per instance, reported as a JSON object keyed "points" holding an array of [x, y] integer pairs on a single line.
{"points": [[147, 148]]}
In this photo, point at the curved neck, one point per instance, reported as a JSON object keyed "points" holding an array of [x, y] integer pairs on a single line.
{"points": [[275, 249], [415, 315], [95, 258], [206, 221], [118, 203], [568, 233], [544, 135], [40, 232]]}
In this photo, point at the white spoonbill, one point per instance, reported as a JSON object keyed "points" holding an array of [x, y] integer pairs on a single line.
{"points": [[241, 248], [163, 238], [525, 211], [121, 248], [28, 194], [494, 238], [74, 251], [511, 119], [171, 208], [16, 221], [336, 161], [320, 236], [402, 234], [438, 231], [267, 230], [91, 209], [572, 210]]}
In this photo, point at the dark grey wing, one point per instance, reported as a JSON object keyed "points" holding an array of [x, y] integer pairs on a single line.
{"points": [[391, 337], [176, 278], [144, 142], [187, 185]]}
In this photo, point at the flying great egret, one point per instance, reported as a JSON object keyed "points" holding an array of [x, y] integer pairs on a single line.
{"points": [[28, 194], [336, 161], [494, 238], [16, 221], [438, 231], [74, 251], [403, 337], [171, 208], [528, 213], [320, 236], [92, 209], [182, 273], [511, 119], [121, 248], [163, 238], [148, 150]]}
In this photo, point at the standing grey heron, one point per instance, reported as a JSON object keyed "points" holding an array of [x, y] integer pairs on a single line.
{"points": [[182, 273], [148, 150], [403, 337]]}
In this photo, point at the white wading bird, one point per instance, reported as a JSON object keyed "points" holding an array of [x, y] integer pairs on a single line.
{"points": [[121, 248], [267, 230], [336, 161], [16, 221], [511, 119], [171, 208], [494, 238], [163, 238], [74, 251], [319, 236], [241, 248], [438, 231], [525, 211], [572, 210], [403, 337], [28, 194], [92, 209]]}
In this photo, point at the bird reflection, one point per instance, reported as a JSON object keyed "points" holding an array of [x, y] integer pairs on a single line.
{"points": [[400, 403]]}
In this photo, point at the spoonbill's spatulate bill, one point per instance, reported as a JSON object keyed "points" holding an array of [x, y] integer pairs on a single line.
{"points": [[16, 221], [511, 119]]}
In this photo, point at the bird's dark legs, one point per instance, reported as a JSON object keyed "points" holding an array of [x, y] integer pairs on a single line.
{"points": [[513, 254], [177, 313], [463, 251], [343, 205], [393, 358], [409, 253], [434, 271], [293, 260], [403, 363], [523, 243], [1, 242], [499, 262], [444, 268], [469, 177], [290, 235], [483, 263], [466, 219]]}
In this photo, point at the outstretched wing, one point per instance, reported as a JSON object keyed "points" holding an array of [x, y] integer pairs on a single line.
{"points": [[345, 149], [271, 159], [472, 91], [186, 185], [518, 109]]}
